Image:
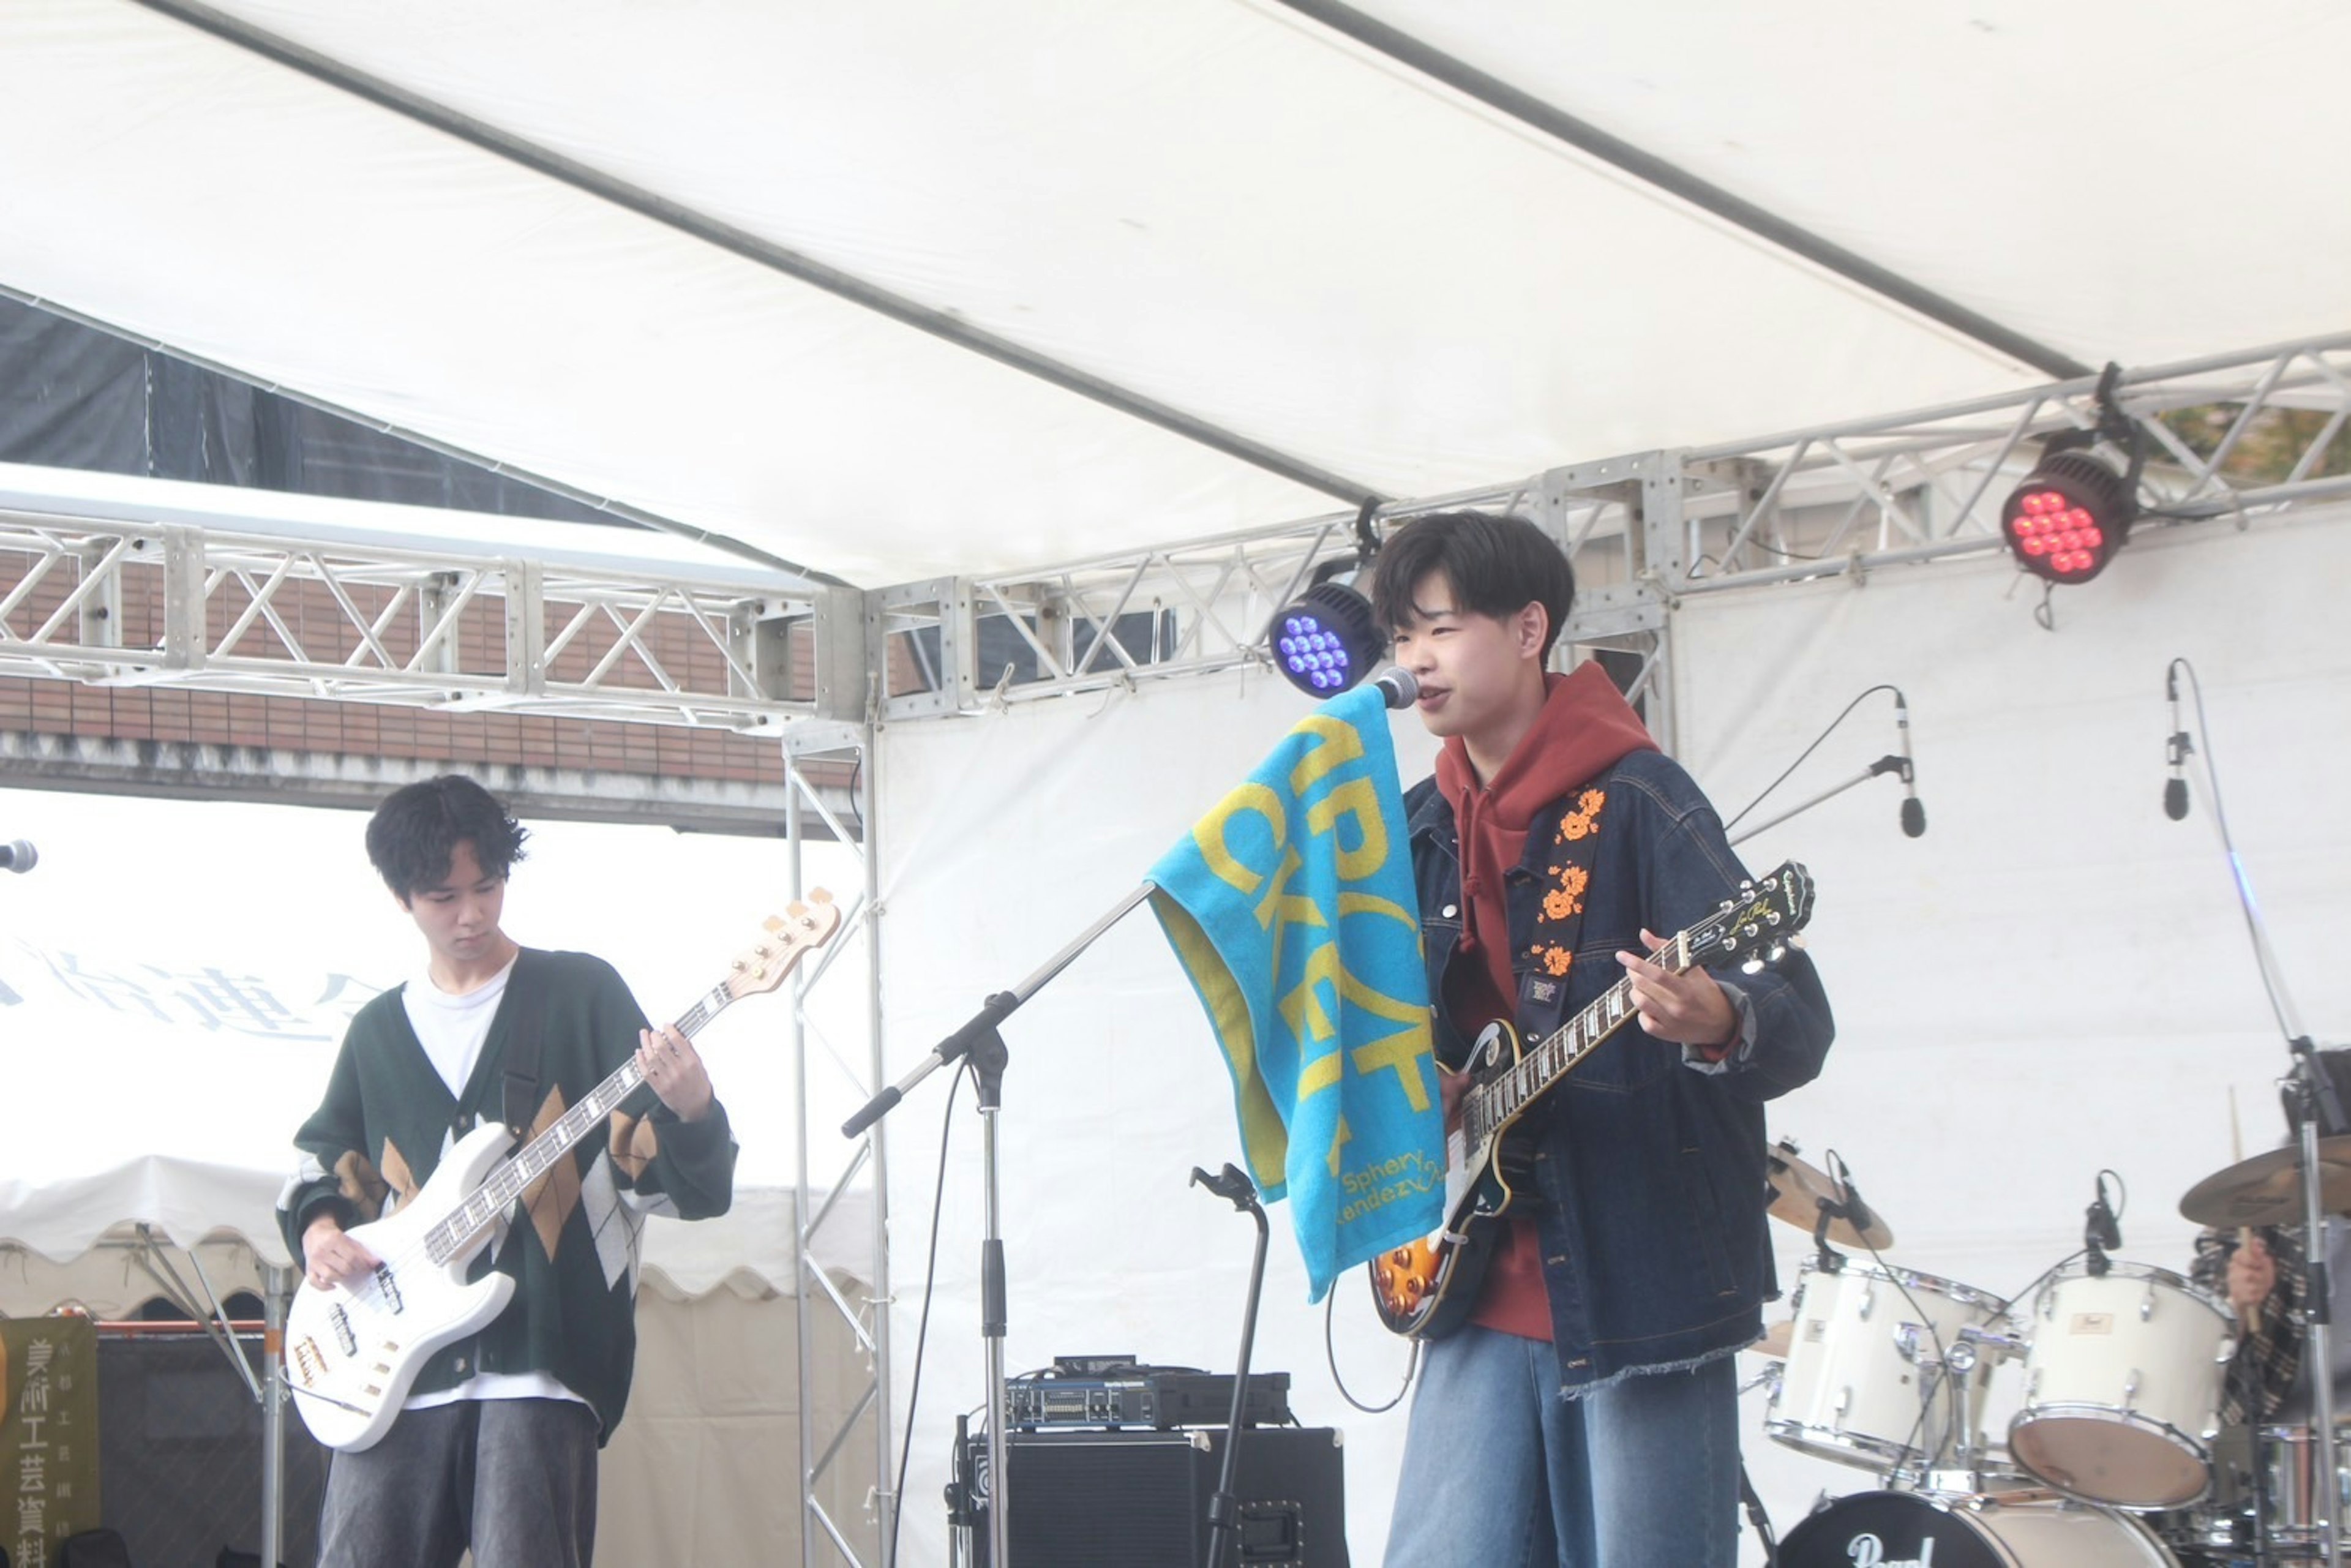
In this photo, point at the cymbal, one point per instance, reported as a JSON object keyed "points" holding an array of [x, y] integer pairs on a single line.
{"points": [[1776, 1340], [2267, 1188], [1798, 1190]]}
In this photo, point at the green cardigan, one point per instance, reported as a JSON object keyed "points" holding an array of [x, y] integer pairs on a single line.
{"points": [[388, 1118]]}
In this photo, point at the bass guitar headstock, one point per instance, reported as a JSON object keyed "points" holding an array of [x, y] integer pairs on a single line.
{"points": [[803, 926]]}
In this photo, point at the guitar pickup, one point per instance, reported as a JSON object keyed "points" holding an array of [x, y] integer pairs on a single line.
{"points": [[389, 1283], [343, 1334]]}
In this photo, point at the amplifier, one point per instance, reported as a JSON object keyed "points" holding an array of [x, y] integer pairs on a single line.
{"points": [[1140, 1500], [1145, 1397]]}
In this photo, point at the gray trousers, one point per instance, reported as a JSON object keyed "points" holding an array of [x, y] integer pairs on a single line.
{"points": [[514, 1478]]}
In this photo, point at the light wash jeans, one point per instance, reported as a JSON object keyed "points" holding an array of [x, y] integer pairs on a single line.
{"points": [[515, 1479], [1501, 1472]]}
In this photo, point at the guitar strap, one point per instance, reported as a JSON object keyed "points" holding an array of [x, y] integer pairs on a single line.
{"points": [[1566, 887], [521, 1104]]}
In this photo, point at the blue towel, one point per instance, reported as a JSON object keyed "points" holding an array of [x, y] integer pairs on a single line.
{"points": [[1290, 906]]}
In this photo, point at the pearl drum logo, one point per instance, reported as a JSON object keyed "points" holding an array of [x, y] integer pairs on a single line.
{"points": [[1866, 1551]]}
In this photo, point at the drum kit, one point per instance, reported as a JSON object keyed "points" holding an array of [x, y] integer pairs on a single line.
{"points": [[2114, 1456]]}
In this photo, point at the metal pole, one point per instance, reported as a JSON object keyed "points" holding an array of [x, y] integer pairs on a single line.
{"points": [[276, 1290]]}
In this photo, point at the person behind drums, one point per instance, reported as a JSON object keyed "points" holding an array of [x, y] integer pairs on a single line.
{"points": [[2260, 1270]]}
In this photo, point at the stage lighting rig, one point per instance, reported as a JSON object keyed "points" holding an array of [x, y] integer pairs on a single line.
{"points": [[2074, 512], [1327, 639]]}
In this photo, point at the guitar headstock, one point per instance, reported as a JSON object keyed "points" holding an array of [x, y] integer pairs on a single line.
{"points": [[1757, 926], [763, 966]]}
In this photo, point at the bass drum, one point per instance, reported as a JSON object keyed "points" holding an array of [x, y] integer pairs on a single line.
{"points": [[1907, 1529]]}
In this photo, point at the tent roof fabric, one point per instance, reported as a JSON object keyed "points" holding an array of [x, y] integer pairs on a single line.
{"points": [[1226, 209]]}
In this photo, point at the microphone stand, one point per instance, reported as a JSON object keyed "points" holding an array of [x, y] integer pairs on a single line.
{"points": [[2314, 1095], [1889, 763], [978, 1040], [1224, 1509]]}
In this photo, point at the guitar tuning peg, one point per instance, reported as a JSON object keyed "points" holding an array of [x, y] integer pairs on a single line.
{"points": [[1796, 940], [1753, 966], [1752, 931], [1773, 918], [1778, 951]]}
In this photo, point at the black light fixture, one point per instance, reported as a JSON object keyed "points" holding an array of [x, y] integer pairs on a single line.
{"points": [[2072, 514], [1327, 639]]}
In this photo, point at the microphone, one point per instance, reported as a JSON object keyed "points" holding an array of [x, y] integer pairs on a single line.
{"points": [[1397, 684], [2101, 1232], [2176, 750], [1914, 815], [19, 857]]}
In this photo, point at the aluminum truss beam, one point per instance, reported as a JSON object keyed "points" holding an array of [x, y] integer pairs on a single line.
{"points": [[1643, 531], [826, 1539], [110, 602]]}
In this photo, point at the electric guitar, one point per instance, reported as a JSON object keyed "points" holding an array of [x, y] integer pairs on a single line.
{"points": [[1426, 1289], [351, 1351]]}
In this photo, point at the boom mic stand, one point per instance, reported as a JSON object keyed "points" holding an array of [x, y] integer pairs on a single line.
{"points": [[978, 1040]]}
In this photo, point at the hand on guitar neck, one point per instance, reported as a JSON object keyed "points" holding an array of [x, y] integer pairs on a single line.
{"points": [[1683, 1006]]}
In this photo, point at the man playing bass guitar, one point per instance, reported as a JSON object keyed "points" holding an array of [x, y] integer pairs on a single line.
{"points": [[495, 1445], [1585, 1413]]}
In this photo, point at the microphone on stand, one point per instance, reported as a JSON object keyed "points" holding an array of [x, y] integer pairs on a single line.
{"points": [[19, 857], [2175, 789], [1398, 686], [2101, 1232], [1914, 815]]}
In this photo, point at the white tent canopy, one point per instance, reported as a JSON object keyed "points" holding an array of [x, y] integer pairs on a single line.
{"points": [[1226, 208]]}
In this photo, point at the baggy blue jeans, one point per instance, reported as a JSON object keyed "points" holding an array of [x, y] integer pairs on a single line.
{"points": [[1499, 1471], [514, 1478]]}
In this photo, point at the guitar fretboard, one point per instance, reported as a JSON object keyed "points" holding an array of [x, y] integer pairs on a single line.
{"points": [[509, 1179], [1492, 1104]]}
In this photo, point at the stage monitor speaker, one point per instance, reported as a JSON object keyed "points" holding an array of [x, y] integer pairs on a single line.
{"points": [[1140, 1500]]}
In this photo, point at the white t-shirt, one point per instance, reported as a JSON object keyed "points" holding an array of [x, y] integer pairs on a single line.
{"points": [[452, 1030]]}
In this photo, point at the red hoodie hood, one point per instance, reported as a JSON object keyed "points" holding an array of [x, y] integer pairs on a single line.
{"points": [[1585, 728]]}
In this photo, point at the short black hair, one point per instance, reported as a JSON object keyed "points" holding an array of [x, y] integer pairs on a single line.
{"points": [[418, 827], [1497, 565]]}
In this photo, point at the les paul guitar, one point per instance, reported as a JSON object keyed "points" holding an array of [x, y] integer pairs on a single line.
{"points": [[351, 1351], [1426, 1289]]}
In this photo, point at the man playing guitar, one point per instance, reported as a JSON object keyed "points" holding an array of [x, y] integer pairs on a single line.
{"points": [[496, 1446], [1586, 1413]]}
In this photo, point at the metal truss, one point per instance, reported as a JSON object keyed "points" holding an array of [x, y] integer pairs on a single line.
{"points": [[1647, 529], [825, 1539], [110, 602]]}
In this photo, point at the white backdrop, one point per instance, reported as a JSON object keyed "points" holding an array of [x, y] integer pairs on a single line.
{"points": [[2055, 980]]}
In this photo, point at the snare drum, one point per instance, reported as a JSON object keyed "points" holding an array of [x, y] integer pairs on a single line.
{"points": [[1864, 1383], [1904, 1529], [2122, 1387]]}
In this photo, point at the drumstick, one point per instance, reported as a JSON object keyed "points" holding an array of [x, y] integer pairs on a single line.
{"points": [[2245, 1232]]}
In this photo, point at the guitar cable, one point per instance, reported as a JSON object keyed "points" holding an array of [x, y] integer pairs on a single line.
{"points": [[1331, 1359], [923, 1323]]}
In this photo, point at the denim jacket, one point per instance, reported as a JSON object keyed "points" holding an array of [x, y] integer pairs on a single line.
{"points": [[1649, 1180]]}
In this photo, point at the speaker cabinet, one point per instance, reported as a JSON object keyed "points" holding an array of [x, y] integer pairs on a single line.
{"points": [[1140, 1500]]}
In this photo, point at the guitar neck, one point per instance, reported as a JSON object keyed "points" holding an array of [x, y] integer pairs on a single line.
{"points": [[1493, 1104], [513, 1176]]}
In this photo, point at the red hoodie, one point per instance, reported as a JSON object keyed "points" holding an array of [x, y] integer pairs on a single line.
{"points": [[1584, 728]]}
